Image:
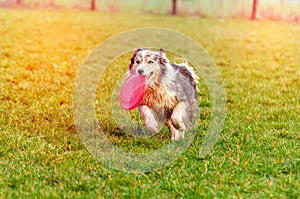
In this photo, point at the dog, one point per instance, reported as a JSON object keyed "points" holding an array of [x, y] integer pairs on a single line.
{"points": [[170, 93]]}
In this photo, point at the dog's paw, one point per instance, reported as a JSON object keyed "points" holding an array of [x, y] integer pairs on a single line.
{"points": [[153, 130], [151, 124], [177, 135]]}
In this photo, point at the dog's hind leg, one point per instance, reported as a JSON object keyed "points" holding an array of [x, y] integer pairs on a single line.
{"points": [[149, 119], [175, 134], [177, 122]]}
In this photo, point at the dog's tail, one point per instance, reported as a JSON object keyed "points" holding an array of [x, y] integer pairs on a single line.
{"points": [[185, 64]]}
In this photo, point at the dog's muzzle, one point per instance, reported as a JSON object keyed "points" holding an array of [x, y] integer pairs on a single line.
{"points": [[140, 71]]}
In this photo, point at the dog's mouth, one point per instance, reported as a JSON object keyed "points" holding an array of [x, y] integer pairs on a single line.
{"points": [[148, 77]]}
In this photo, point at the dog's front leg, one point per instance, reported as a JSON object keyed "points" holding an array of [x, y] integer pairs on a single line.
{"points": [[149, 119]]}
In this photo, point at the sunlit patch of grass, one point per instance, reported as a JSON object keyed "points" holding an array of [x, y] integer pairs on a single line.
{"points": [[41, 154]]}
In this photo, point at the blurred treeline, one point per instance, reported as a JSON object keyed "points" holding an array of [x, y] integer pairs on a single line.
{"points": [[266, 9]]}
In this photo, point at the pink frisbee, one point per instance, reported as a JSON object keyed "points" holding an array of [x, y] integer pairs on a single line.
{"points": [[132, 92]]}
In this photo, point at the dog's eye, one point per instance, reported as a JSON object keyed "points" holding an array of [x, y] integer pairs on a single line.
{"points": [[137, 61], [150, 62]]}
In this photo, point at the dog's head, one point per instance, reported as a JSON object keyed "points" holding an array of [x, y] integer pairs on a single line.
{"points": [[149, 63]]}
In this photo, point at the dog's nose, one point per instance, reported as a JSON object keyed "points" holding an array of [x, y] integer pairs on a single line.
{"points": [[140, 71]]}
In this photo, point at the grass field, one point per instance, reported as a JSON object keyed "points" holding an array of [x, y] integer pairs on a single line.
{"points": [[41, 155]]}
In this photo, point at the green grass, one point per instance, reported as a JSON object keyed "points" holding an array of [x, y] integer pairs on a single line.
{"points": [[41, 155]]}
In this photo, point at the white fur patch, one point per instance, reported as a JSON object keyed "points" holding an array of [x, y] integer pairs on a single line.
{"points": [[170, 75]]}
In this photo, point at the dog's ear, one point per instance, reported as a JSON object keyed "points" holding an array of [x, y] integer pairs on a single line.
{"points": [[133, 57], [162, 57], [162, 53]]}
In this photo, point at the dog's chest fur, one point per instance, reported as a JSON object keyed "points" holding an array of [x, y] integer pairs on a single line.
{"points": [[159, 96]]}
